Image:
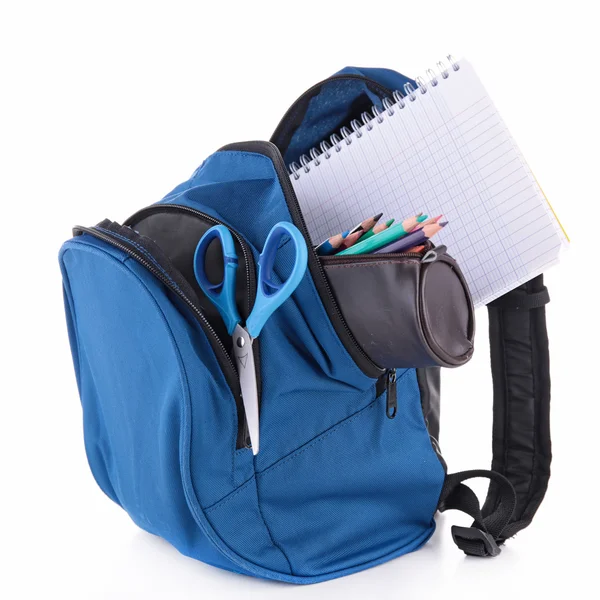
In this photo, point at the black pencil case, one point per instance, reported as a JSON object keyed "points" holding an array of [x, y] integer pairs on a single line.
{"points": [[405, 310]]}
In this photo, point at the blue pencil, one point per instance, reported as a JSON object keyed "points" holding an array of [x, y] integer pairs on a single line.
{"points": [[330, 245]]}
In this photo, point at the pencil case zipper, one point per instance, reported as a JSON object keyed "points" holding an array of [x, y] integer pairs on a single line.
{"points": [[367, 258], [143, 257]]}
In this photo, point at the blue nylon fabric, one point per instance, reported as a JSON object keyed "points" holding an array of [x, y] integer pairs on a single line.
{"points": [[300, 327], [328, 110], [333, 389], [348, 496], [133, 385], [336, 488]]}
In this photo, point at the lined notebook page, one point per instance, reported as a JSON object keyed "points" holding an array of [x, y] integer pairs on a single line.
{"points": [[447, 152]]}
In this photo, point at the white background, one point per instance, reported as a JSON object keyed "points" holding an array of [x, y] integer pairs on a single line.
{"points": [[105, 106]]}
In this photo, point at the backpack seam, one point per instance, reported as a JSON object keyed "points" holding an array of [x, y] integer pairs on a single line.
{"points": [[290, 456], [260, 512], [323, 436], [296, 452]]}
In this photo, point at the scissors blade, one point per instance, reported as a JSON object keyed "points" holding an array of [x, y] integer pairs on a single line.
{"points": [[244, 358]]}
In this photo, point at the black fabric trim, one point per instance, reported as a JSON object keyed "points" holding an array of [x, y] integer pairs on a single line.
{"points": [[429, 386], [428, 380]]}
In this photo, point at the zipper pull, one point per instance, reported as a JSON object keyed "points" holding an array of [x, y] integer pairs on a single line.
{"points": [[433, 254], [391, 406]]}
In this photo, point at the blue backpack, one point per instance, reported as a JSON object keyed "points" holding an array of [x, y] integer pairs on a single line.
{"points": [[349, 473]]}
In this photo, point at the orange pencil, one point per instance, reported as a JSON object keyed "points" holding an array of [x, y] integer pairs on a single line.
{"points": [[409, 224], [350, 240]]}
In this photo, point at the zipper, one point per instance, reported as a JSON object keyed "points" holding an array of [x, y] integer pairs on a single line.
{"points": [[243, 437], [391, 402], [248, 257], [317, 270], [228, 366], [366, 258], [430, 254]]}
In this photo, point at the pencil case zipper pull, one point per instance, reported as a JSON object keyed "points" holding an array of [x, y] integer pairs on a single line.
{"points": [[433, 254]]}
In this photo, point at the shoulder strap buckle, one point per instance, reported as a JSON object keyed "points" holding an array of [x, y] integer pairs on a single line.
{"points": [[475, 542]]}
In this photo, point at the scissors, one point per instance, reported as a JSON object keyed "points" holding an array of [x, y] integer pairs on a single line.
{"points": [[269, 297]]}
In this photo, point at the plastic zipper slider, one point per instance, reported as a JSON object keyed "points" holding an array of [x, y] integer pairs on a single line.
{"points": [[391, 406], [433, 254]]}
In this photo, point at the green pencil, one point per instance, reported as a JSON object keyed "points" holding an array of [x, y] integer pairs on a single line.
{"points": [[384, 237]]}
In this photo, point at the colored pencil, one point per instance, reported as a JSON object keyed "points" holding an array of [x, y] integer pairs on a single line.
{"points": [[367, 224], [330, 245], [412, 222], [428, 222], [350, 240], [412, 239], [387, 236], [378, 228]]}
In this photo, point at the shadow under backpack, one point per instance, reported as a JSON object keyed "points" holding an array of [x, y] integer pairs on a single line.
{"points": [[349, 473]]}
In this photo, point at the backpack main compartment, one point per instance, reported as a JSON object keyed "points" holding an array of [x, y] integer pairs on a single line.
{"points": [[336, 487]]}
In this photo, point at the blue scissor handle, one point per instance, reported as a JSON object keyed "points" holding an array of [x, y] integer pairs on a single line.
{"points": [[221, 294], [270, 295]]}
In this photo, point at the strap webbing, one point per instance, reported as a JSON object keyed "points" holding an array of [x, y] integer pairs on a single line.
{"points": [[521, 432], [481, 539]]}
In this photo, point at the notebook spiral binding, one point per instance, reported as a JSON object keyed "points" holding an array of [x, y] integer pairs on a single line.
{"points": [[367, 118]]}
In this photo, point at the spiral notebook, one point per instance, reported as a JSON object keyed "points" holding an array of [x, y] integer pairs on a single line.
{"points": [[444, 149]]}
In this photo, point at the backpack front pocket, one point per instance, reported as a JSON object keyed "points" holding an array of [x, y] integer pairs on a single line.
{"points": [[141, 351], [168, 255], [359, 493]]}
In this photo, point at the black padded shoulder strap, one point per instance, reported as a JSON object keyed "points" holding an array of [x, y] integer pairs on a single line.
{"points": [[521, 431]]}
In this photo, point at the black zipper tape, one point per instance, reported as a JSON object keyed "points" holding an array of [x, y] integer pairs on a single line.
{"points": [[243, 437], [250, 274], [317, 270], [188, 297], [353, 259]]}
